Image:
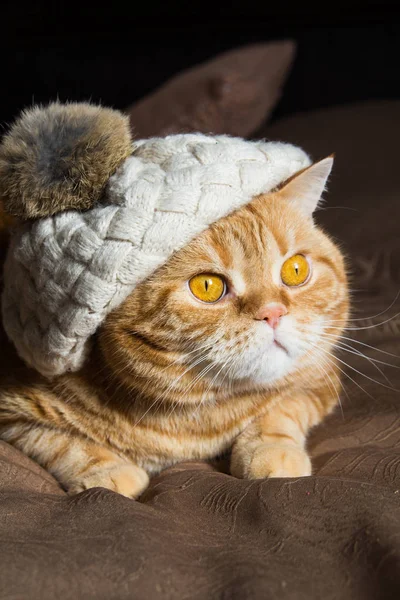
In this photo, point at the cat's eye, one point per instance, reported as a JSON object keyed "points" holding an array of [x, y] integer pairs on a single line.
{"points": [[295, 270], [207, 287]]}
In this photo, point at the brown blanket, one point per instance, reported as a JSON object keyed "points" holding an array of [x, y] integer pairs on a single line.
{"points": [[200, 534]]}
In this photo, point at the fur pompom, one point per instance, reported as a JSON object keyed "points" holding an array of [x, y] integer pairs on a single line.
{"points": [[60, 157]]}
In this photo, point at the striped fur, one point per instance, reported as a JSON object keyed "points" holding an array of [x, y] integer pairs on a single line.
{"points": [[171, 379]]}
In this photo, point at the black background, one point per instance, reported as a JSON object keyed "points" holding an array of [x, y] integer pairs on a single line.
{"points": [[117, 52]]}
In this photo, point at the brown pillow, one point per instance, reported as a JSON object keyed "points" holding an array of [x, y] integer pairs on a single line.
{"points": [[232, 94]]}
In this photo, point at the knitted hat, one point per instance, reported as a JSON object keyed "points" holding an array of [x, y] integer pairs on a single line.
{"points": [[102, 214]]}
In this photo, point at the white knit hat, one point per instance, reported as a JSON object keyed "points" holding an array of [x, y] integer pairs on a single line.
{"points": [[65, 272]]}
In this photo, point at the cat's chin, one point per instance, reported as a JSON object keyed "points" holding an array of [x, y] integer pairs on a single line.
{"points": [[264, 368]]}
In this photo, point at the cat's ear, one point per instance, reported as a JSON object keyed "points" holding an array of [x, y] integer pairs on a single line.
{"points": [[305, 189]]}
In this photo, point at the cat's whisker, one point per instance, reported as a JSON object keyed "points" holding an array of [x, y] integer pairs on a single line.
{"points": [[319, 208], [344, 372], [333, 335], [233, 361], [314, 350], [362, 328], [184, 355], [366, 318], [233, 364], [202, 373], [349, 348], [204, 395], [368, 358], [161, 397], [337, 342], [197, 361], [356, 370], [150, 382], [331, 385]]}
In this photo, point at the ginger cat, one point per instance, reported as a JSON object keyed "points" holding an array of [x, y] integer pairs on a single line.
{"points": [[225, 346]]}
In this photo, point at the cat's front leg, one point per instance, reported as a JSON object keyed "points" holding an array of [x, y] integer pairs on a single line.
{"points": [[275, 444], [78, 464]]}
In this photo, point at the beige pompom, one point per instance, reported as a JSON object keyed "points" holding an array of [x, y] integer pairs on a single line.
{"points": [[60, 157]]}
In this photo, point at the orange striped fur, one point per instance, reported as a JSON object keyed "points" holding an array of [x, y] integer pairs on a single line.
{"points": [[170, 378]]}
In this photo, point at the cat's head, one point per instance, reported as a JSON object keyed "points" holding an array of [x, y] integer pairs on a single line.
{"points": [[248, 302]]}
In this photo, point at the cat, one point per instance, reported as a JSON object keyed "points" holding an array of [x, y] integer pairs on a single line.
{"points": [[228, 346]]}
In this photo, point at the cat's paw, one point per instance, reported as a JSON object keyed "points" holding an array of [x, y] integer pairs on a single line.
{"points": [[270, 460], [126, 479]]}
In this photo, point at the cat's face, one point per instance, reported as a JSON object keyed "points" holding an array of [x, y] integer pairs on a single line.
{"points": [[249, 300]]}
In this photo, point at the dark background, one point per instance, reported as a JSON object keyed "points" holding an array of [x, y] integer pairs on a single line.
{"points": [[115, 52]]}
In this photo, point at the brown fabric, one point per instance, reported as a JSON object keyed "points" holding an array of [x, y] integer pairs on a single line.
{"points": [[201, 534], [232, 93]]}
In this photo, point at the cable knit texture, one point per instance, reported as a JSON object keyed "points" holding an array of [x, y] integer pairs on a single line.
{"points": [[65, 273]]}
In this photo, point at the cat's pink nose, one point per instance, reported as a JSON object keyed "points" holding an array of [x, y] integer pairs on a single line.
{"points": [[272, 313]]}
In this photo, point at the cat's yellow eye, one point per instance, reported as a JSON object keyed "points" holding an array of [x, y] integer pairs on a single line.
{"points": [[295, 270], [207, 287]]}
